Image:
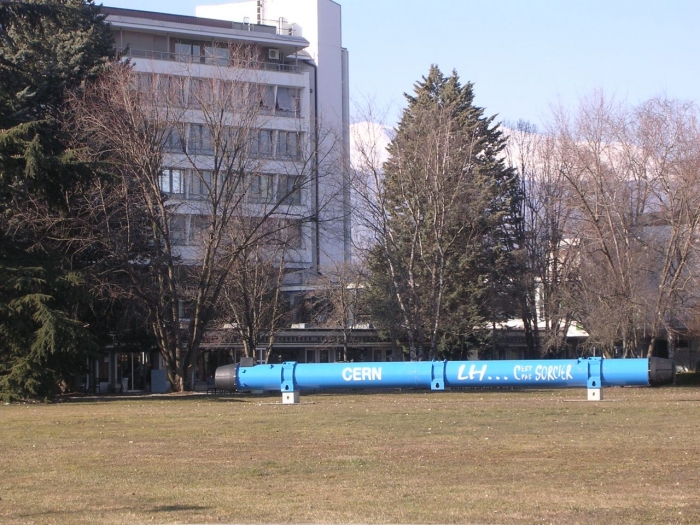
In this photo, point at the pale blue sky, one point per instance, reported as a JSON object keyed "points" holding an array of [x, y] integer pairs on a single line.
{"points": [[522, 55]]}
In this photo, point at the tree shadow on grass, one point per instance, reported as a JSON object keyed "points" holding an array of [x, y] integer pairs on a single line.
{"points": [[177, 508], [150, 398]]}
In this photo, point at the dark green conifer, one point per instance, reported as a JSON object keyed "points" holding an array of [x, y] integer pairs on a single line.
{"points": [[47, 48], [450, 208]]}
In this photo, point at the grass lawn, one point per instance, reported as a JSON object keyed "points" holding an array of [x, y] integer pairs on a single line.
{"points": [[544, 456]]}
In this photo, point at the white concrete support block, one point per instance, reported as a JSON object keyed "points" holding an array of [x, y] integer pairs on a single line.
{"points": [[290, 398], [595, 394]]}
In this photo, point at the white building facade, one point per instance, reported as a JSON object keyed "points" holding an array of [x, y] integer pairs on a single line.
{"points": [[299, 73], [303, 118], [319, 23]]}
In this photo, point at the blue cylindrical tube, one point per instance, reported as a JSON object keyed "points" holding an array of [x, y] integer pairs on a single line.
{"points": [[438, 375]]}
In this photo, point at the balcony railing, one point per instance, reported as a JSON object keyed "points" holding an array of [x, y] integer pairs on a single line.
{"points": [[213, 60]]}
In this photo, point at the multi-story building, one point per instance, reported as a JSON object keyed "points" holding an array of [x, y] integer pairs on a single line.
{"points": [[302, 84], [286, 57]]}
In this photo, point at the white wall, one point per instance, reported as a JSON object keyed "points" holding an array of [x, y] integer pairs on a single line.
{"points": [[320, 23]]}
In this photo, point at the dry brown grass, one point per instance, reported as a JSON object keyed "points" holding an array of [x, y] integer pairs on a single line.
{"points": [[413, 457]]}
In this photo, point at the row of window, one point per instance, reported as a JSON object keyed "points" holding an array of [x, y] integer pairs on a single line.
{"points": [[232, 95], [266, 143], [174, 48], [257, 188], [190, 230], [206, 52]]}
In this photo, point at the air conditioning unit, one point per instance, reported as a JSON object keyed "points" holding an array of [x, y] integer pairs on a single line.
{"points": [[273, 54]]}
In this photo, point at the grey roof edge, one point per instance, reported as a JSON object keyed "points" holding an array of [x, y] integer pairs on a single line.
{"points": [[164, 22]]}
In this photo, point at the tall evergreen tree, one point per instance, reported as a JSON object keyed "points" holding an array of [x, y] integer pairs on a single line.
{"points": [[449, 205], [47, 48]]}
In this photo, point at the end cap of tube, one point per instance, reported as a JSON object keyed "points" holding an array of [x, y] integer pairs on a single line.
{"points": [[661, 371], [225, 377]]}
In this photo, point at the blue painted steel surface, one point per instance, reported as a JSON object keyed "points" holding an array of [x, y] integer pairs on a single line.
{"points": [[591, 372]]}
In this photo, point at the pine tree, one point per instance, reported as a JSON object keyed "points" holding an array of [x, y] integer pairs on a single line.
{"points": [[450, 203], [47, 48]]}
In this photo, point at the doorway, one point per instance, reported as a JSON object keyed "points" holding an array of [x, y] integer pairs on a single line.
{"points": [[134, 371]]}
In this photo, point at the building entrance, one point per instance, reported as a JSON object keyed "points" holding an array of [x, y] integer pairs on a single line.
{"points": [[134, 371]]}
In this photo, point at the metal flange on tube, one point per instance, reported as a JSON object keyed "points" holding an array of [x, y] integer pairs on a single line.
{"points": [[593, 373]]}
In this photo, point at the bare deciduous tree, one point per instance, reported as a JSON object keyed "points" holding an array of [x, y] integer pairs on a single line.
{"points": [[633, 178], [548, 249], [338, 302], [198, 180], [254, 303]]}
